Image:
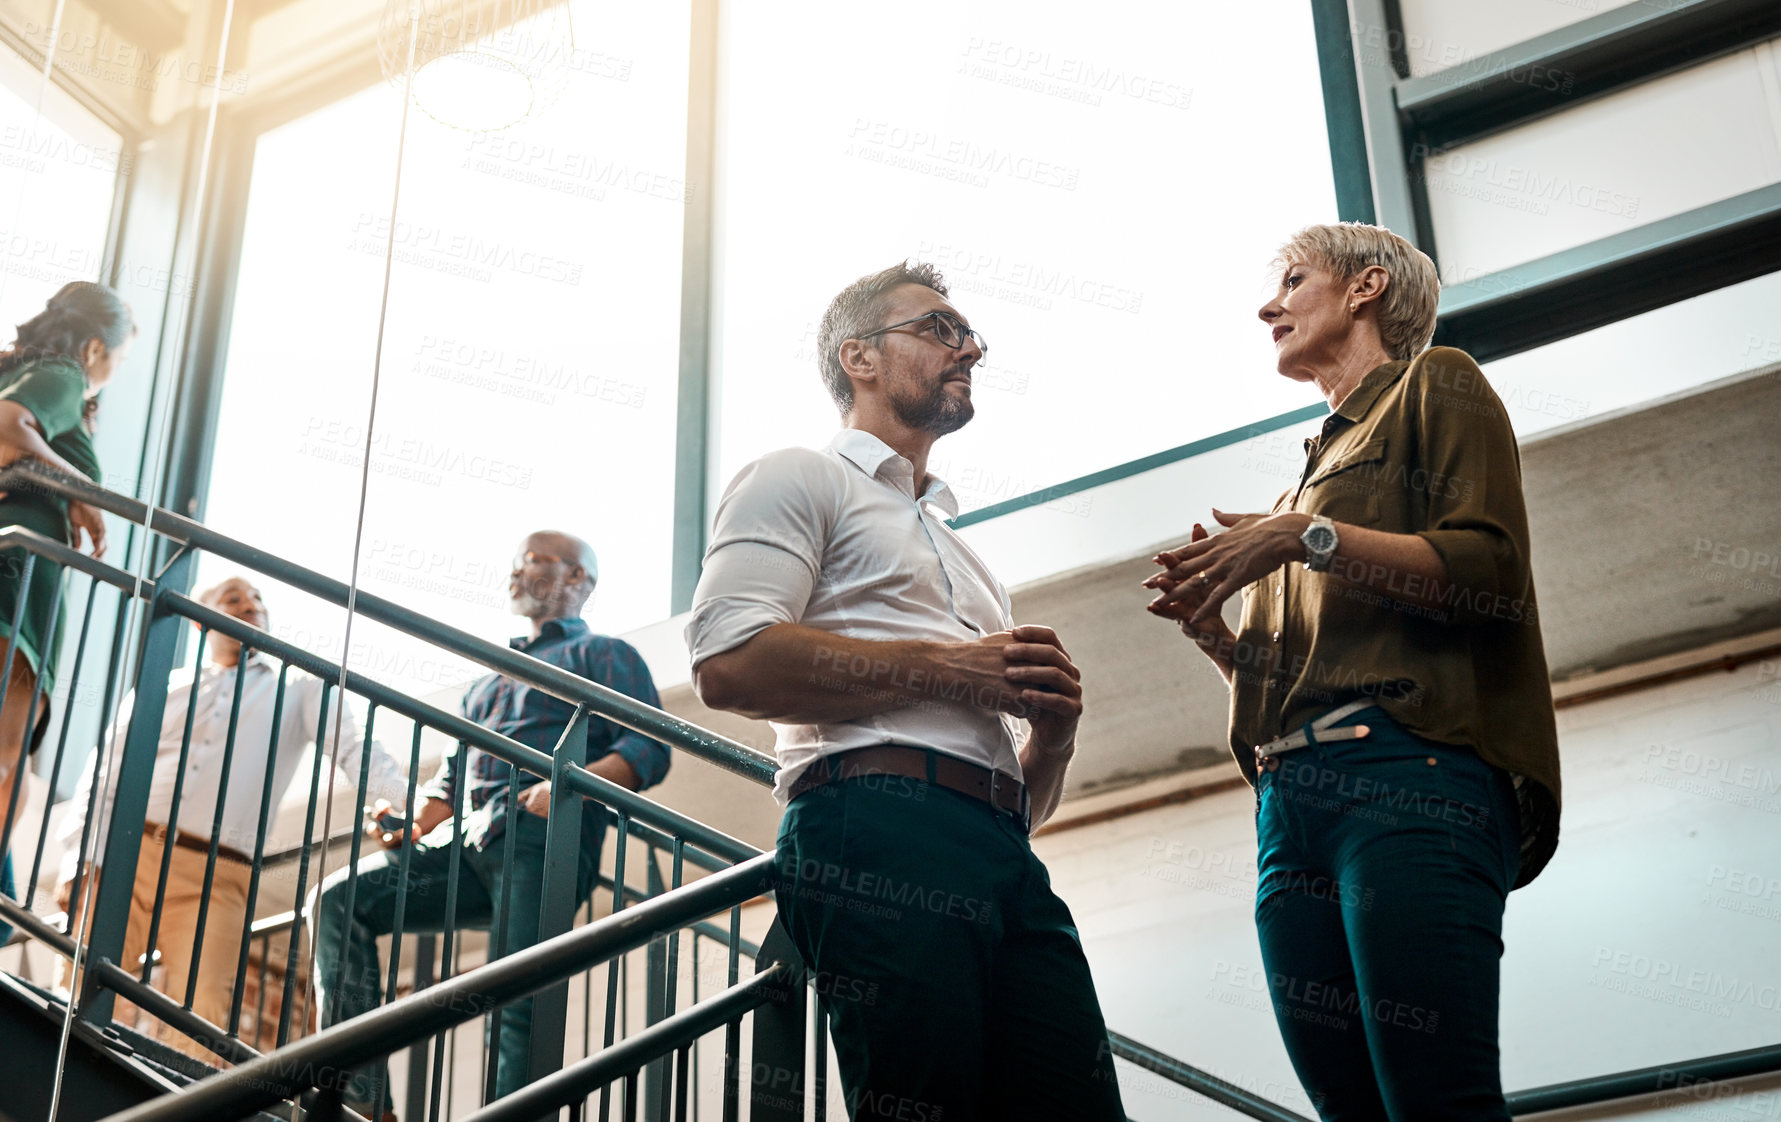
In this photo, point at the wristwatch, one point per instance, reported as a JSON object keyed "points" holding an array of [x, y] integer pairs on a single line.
{"points": [[1320, 543]]}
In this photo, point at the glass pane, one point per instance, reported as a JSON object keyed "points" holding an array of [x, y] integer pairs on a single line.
{"points": [[58, 175], [1440, 35], [1104, 196], [1662, 352], [529, 349], [1608, 166]]}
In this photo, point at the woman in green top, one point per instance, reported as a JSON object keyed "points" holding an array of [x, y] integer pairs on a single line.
{"points": [[48, 379]]}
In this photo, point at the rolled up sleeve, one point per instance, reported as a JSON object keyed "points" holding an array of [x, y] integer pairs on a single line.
{"points": [[766, 549], [1477, 522], [626, 672]]}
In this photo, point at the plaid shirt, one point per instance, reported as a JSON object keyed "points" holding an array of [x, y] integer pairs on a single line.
{"points": [[537, 720]]}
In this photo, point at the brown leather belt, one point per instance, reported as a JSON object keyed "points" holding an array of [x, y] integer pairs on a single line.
{"points": [[997, 788], [183, 840]]}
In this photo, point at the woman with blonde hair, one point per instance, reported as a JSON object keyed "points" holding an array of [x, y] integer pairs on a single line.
{"points": [[48, 381], [1389, 695]]}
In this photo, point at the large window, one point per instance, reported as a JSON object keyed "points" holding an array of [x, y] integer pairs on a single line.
{"points": [[528, 370], [1103, 194], [59, 167]]}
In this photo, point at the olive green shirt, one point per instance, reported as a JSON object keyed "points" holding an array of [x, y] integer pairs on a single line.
{"points": [[1421, 447]]}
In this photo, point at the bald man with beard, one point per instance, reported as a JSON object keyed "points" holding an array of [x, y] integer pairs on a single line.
{"points": [[553, 577]]}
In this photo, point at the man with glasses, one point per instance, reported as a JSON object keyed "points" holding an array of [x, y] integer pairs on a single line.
{"points": [[552, 578], [838, 604]]}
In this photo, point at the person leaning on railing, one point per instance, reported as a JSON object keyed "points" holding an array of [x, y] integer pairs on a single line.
{"points": [[552, 578], [299, 724], [1389, 694], [49, 377]]}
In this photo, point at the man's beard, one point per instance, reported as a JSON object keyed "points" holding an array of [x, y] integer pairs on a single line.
{"points": [[526, 604], [936, 411]]}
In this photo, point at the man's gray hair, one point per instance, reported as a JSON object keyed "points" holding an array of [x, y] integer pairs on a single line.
{"points": [[1407, 309], [857, 310]]}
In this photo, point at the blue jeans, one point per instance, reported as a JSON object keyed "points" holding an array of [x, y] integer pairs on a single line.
{"points": [[1383, 870], [349, 973]]}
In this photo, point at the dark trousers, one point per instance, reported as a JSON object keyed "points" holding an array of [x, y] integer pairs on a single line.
{"points": [[952, 975], [349, 972], [1383, 869]]}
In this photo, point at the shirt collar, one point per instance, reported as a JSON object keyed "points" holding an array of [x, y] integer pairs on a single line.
{"points": [[874, 457], [563, 627], [1376, 382]]}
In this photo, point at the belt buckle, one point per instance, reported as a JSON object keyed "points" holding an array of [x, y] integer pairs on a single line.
{"points": [[998, 782]]}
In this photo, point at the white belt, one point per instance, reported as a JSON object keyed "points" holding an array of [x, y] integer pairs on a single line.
{"points": [[1298, 739]]}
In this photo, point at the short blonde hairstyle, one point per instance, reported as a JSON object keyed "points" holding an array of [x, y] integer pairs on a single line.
{"points": [[1407, 309]]}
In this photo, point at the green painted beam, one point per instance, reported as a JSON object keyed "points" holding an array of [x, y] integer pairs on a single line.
{"points": [[1140, 465]]}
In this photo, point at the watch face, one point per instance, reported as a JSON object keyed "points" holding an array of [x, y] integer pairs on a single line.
{"points": [[1318, 539]]}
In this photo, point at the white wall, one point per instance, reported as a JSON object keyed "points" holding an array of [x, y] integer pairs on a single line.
{"points": [[1654, 935]]}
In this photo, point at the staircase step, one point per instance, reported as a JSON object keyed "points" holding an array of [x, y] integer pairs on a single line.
{"points": [[108, 1070]]}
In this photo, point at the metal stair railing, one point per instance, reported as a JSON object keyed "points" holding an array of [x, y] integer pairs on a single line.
{"points": [[661, 832], [320, 1059], [600, 700]]}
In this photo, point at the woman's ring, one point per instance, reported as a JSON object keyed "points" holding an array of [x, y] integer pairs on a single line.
{"points": [[1205, 579]]}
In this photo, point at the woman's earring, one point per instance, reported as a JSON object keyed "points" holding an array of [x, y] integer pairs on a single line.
{"points": [[1352, 308]]}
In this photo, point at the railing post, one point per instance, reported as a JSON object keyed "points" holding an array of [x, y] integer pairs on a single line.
{"points": [[129, 809], [655, 1002], [776, 1079], [415, 1103], [561, 893]]}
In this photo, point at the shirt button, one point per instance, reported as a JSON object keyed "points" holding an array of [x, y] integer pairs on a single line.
{"points": [[1280, 590], [1276, 636]]}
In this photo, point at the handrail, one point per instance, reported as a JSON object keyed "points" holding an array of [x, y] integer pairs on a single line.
{"points": [[1646, 1080], [543, 1098], [608, 703], [1214, 1088], [1535, 1100], [622, 799], [326, 1055]]}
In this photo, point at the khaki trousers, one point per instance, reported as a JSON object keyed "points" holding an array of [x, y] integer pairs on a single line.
{"points": [[223, 924]]}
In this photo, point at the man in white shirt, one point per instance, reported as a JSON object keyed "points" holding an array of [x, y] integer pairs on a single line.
{"points": [[836, 603], [205, 762]]}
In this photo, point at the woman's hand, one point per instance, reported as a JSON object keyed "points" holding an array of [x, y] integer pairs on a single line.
{"points": [[1210, 570], [1213, 636], [88, 519]]}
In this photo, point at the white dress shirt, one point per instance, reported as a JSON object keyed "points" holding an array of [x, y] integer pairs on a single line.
{"points": [[247, 770], [838, 540]]}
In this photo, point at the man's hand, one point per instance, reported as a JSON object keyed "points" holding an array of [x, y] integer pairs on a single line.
{"points": [[536, 800], [1213, 569], [389, 839], [89, 520], [982, 665], [1049, 686]]}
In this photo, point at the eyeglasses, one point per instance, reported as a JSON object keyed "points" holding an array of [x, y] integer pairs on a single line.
{"points": [[521, 560], [948, 329]]}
